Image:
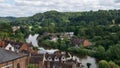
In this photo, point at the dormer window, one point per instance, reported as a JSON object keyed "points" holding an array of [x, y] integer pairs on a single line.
{"points": [[63, 58], [56, 59], [10, 48], [49, 59]]}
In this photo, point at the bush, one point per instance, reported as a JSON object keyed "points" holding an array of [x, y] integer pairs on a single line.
{"points": [[103, 64], [31, 66]]}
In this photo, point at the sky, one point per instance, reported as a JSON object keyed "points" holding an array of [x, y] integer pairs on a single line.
{"points": [[23, 8]]}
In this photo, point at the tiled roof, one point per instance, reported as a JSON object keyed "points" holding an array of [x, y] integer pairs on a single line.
{"points": [[17, 45], [6, 55]]}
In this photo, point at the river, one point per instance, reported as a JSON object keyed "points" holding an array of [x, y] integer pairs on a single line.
{"points": [[84, 61], [89, 59], [33, 39]]}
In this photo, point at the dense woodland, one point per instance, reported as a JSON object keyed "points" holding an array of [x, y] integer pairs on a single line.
{"points": [[101, 28]]}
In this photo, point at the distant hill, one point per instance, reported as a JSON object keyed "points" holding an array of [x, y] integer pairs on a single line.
{"points": [[7, 19], [101, 17]]}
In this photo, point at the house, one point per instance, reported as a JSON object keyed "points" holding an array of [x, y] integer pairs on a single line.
{"points": [[4, 43], [79, 41], [59, 60], [56, 56], [54, 60], [67, 35], [26, 48], [9, 59], [86, 43], [37, 60], [53, 38], [14, 28], [7, 45], [17, 46]]}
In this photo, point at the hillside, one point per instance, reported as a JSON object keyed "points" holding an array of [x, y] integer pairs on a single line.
{"points": [[101, 17], [7, 19]]}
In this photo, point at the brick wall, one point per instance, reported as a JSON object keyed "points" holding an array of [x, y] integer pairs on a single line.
{"points": [[2, 44], [21, 62]]}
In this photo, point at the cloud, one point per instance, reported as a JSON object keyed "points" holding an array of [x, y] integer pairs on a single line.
{"points": [[117, 1], [2, 1], [30, 7]]}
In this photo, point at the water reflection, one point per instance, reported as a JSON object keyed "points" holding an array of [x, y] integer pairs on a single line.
{"points": [[89, 59]]}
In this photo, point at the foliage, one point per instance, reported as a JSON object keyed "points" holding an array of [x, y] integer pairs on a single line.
{"points": [[31, 66], [99, 52], [103, 64], [101, 27], [78, 51], [114, 53], [113, 65]]}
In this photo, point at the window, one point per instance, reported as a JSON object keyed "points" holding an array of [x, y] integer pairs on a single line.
{"points": [[18, 65], [49, 59], [10, 48]]}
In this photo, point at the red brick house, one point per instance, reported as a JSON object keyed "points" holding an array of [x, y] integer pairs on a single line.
{"points": [[37, 60], [9, 59], [86, 43], [79, 41], [26, 47]]}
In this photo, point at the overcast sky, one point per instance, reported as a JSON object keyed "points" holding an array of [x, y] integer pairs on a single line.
{"points": [[22, 8]]}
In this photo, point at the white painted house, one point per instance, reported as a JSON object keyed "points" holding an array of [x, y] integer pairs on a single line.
{"points": [[9, 47]]}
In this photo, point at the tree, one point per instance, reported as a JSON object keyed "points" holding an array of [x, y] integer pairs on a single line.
{"points": [[103, 64], [113, 65], [99, 52], [114, 53], [5, 27]]}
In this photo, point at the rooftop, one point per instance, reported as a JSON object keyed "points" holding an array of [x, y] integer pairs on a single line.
{"points": [[6, 55]]}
